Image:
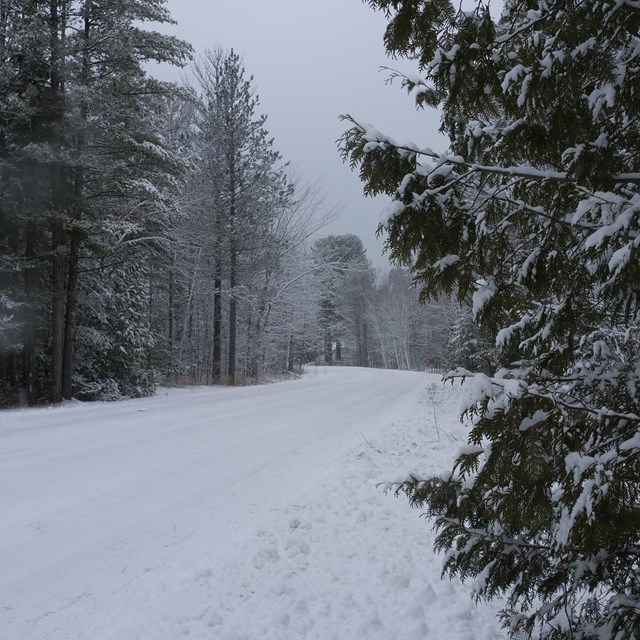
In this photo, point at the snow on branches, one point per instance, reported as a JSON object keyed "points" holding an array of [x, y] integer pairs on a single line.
{"points": [[532, 217]]}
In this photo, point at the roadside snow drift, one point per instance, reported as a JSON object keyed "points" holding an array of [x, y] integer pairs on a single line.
{"points": [[231, 514]]}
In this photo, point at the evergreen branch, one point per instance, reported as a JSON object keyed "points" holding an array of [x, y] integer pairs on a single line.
{"points": [[484, 534], [520, 171], [627, 5], [602, 412]]}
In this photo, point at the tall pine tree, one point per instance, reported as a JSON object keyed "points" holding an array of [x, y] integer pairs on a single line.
{"points": [[78, 157], [246, 186]]}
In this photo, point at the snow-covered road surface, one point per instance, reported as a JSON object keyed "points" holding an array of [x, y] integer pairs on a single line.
{"points": [[230, 513]]}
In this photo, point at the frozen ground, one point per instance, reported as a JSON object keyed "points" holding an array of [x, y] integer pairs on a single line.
{"points": [[237, 514]]}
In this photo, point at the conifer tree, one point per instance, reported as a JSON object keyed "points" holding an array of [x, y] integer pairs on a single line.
{"points": [[246, 187], [467, 347], [340, 260], [532, 218], [79, 156]]}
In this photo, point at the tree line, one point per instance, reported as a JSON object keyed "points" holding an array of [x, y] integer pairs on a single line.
{"points": [[152, 232]]}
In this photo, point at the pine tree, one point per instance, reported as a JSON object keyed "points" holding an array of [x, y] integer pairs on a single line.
{"points": [[79, 156], [266, 237], [411, 335], [339, 262], [531, 217], [468, 348], [126, 176], [34, 194], [246, 184], [354, 298]]}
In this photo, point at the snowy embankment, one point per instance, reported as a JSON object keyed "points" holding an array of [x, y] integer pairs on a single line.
{"points": [[231, 514]]}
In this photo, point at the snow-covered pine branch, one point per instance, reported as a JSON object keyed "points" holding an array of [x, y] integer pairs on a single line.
{"points": [[531, 217]]}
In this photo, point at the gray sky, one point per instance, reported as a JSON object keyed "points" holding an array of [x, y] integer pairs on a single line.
{"points": [[312, 61]]}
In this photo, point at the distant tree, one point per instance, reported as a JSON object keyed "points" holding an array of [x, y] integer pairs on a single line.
{"points": [[342, 269], [355, 293], [247, 181], [280, 309], [468, 348], [262, 249], [531, 218], [410, 334]]}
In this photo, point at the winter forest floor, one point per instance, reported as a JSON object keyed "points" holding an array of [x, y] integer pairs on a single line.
{"points": [[245, 513]]}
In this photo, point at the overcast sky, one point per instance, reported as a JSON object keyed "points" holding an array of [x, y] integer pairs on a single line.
{"points": [[313, 60]]}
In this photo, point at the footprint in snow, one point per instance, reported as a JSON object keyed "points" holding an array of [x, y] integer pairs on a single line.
{"points": [[297, 545], [266, 556], [203, 574]]}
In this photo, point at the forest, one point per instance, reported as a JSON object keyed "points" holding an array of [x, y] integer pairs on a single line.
{"points": [[151, 232]]}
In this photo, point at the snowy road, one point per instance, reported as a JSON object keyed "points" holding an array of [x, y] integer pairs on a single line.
{"points": [[190, 513]]}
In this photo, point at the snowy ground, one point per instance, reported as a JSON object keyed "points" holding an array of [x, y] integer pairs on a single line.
{"points": [[236, 514]]}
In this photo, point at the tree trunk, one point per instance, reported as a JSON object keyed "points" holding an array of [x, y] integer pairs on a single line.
{"points": [[290, 354], [365, 345], [358, 343], [70, 318], [9, 373], [57, 316], [217, 323], [233, 315], [30, 360], [233, 265], [60, 203], [189, 309], [76, 233], [328, 349], [171, 319]]}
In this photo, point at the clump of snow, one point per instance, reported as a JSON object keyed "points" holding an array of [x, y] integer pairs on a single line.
{"points": [[469, 450], [483, 294], [445, 262], [394, 209], [538, 417]]}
